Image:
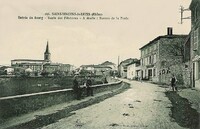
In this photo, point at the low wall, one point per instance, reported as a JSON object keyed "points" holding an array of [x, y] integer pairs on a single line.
{"points": [[21, 104], [26, 85]]}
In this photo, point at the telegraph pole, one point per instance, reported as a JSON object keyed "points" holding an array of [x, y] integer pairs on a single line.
{"points": [[182, 10]]}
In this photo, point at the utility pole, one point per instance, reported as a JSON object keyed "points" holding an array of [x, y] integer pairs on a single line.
{"points": [[118, 61], [182, 9], [118, 67]]}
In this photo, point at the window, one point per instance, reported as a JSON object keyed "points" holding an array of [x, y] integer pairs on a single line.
{"points": [[150, 60], [154, 58], [195, 39], [196, 13], [147, 60], [199, 70], [141, 62], [155, 46], [154, 72], [145, 51], [150, 49]]}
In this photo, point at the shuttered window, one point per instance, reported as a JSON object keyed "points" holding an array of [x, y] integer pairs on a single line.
{"points": [[199, 70], [195, 39]]}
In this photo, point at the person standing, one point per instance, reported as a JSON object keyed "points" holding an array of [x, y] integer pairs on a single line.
{"points": [[88, 86], [140, 79], [76, 88], [105, 80], [173, 81]]}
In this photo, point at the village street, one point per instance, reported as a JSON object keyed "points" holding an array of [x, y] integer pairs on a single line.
{"points": [[143, 106]]}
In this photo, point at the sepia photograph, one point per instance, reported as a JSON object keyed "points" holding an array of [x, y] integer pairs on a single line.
{"points": [[100, 64]]}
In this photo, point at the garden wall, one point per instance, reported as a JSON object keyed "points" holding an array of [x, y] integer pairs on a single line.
{"points": [[21, 104], [26, 85]]}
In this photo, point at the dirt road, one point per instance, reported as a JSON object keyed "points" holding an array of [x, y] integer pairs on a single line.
{"points": [[144, 106]]}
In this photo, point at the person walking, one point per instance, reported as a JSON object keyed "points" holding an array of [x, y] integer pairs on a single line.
{"points": [[173, 81], [76, 88], [88, 86]]}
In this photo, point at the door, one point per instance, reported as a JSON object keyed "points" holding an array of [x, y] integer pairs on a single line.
{"points": [[150, 74], [141, 74]]}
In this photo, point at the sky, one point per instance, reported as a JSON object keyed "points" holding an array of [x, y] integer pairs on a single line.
{"points": [[81, 41]]}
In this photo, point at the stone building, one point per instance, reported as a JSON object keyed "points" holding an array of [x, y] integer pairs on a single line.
{"points": [[39, 66], [132, 69], [35, 65], [96, 69], [162, 57], [122, 67], [195, 42], [109, 64], [187, 69]]}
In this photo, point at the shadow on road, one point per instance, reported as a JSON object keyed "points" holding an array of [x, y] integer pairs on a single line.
{"points": [[182, 112]]}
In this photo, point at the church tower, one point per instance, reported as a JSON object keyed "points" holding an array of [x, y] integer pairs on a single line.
{"points": [[47, 54]]}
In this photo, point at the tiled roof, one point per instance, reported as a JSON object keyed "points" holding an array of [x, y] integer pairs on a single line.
{"points": [[107, 63], [165, 36], [133, 62], [95, 66], [127, 61]]}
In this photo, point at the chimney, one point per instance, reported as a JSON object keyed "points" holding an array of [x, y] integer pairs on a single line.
{"points": [[169, 31]]}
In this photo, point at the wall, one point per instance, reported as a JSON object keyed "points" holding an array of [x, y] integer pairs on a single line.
{"points": [[131, 71], [197, 84], [26, 85], [171, 59], [195, 54], [187, 74], [21, 104]]}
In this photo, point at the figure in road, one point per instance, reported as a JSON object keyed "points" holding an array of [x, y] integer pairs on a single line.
{"points": [[88, 86], [173, 81], [76, 88], [140, 79], [105, 80]]}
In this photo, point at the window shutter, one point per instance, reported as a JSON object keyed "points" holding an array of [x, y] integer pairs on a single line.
{"points": [[195, 39], [197, 36], [191, 38]]}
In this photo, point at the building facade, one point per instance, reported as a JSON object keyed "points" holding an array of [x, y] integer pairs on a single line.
{"points": [[96, 69], [195, 42], [187, 69], [132, 69], [122, 67], [162, 57], [39, 66], [109, 64]]}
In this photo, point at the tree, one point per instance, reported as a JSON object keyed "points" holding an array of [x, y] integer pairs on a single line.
{"points": [[174, 48]]}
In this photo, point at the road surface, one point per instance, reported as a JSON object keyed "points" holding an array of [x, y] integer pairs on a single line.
{"points": [[143, 106]]}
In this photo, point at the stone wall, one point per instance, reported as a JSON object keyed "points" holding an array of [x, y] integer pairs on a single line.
{"points": [[187, 74], [171, 59], [17, 105]]}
